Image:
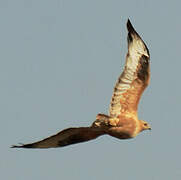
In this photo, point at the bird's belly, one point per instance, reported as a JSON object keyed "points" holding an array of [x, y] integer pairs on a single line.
{"points": [[120, 133]]}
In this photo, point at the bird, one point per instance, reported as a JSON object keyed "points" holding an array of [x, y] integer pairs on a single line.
{"points": [[122, 121]]}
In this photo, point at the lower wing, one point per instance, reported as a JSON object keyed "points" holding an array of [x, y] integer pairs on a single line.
{"points": [[64, 138]]}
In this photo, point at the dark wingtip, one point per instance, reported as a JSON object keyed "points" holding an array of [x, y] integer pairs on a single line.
{"points": [[22, 146], [130, 27], [129, 22], [14, 146], [132, 33]]}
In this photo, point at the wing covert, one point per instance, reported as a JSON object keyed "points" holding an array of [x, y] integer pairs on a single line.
{"points": [[135, 77]]}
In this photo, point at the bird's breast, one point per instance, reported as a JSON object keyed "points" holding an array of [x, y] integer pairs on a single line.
{"points": [[125, 129]]}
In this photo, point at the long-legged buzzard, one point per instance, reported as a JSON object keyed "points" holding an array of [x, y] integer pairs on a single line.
{"points": [[122, 121]]}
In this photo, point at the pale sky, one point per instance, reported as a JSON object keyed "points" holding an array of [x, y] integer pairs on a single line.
{"points": [[59, 61]]}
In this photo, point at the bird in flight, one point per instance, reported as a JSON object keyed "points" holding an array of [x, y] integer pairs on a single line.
{"points": [[122, 121]]}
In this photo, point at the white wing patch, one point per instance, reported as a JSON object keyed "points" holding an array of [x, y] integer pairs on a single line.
{"points": [[123, 84], [136, 49]]}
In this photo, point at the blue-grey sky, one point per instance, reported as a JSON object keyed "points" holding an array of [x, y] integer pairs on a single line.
{"points": [[59, 61]]}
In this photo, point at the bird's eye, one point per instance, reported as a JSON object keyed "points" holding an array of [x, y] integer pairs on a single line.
{"points": [[145, 124]]}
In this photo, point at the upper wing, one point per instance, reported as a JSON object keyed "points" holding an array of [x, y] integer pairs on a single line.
{"points": [[66, 137], [134, 78]]}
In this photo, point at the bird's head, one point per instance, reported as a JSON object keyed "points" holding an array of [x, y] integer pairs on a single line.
{"points": [[145, 125]]}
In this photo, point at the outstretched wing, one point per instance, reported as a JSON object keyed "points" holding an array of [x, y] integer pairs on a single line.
{"points": [[134, 78], [66, 137]]}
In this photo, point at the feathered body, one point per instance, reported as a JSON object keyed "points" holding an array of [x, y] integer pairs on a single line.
{"points": [[122, 121]]}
